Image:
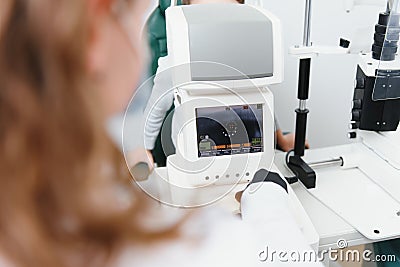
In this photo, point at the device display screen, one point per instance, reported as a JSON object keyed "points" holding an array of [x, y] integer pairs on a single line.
{"points": [[229, 130]]}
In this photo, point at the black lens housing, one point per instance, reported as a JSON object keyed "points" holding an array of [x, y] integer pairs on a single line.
{"points": [[386, 37]]}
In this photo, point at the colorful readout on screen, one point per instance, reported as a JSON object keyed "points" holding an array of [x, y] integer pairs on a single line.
{"points": [[229, 130]]}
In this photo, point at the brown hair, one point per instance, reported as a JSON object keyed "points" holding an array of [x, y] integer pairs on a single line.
{"points": [[66, 198]]}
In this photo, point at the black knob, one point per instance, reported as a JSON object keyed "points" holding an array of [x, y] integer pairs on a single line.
{"points": [[386, 37], [354, 125], [352, 135], [360, 83], [357, 104], [386, 18], [356, 115], [344, 43]]}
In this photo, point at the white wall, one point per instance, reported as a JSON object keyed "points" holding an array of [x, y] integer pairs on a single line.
{"points": [[332, 78], [152, 5]]}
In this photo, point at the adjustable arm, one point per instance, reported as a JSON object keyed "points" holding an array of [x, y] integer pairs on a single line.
{"points": [[303, 172]]}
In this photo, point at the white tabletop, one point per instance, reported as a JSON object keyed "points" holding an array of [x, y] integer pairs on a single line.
{"points": [[329, 226]]}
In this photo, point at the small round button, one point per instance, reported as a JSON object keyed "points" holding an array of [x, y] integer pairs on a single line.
{"points": [[357, 104], [355, 115], [354, 125], [352, 135]]}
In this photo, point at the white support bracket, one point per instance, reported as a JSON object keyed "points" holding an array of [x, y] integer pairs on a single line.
{"points": [[311, 51]]}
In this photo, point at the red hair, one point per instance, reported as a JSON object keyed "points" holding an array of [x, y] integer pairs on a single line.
{"points": [[61, 178]]}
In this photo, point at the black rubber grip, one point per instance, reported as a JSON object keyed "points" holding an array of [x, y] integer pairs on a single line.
{"points": [[304, 78], [301, 130], [263, 175]]}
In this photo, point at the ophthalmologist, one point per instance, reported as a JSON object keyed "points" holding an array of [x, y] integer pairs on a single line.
{"points": [[66, 197]]}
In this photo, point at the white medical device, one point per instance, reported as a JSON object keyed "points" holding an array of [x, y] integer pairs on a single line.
{"points": [[224, 57], [363, 188]]}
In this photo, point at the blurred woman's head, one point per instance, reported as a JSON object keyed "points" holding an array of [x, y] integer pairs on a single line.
{"points": [[65, 67]]}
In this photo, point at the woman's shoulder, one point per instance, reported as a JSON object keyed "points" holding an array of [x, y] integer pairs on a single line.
{"points": [[210, 237]]}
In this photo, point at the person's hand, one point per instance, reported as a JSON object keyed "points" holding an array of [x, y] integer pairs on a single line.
{"points": [[141, 163], [286, 142], [238, 196], [264, 176]]}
